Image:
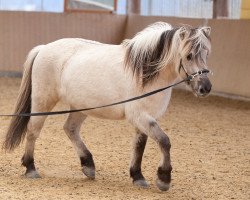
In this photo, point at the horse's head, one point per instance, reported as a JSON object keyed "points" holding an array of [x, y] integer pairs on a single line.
{"points": [[194, 50], [160, 46]]}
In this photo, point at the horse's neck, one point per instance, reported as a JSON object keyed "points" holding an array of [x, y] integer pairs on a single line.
{"points": [[168, 75]]}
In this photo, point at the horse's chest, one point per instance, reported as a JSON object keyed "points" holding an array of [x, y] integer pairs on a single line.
{"points": [[156, 105]]}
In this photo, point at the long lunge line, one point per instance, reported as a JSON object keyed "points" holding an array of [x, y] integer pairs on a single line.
{"points": [[189, 78]]}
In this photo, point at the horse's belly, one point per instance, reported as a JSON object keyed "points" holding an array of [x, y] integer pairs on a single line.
{"points": [[79, 96], [108, 113], [84, 100]]}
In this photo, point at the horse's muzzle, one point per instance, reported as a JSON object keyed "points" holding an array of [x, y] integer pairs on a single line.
{"points": [[204, 87]]}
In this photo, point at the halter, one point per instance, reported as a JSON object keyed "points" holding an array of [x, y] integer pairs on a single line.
{"points": [[190, 77]]}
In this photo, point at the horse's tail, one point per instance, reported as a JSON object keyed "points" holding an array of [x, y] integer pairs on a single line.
{"points": [[18, 125]]}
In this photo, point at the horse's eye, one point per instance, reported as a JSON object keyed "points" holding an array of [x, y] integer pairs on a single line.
{"points": [[189, 57]]}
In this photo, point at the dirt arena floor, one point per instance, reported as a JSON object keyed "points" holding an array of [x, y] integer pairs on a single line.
{"points": [[210, 154]]}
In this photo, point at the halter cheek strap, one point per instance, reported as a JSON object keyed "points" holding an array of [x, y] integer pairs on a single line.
{"points": [[181, 67], [193, 75]]}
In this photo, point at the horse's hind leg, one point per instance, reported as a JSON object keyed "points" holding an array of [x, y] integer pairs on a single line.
{"points": [[139, 144], [72, 129], [33, 131]]}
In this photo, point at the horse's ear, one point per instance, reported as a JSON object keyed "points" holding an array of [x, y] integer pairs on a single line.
{"points": [[206, 30], [183, 33]]}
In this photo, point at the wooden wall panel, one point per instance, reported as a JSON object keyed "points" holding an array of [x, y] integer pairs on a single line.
{"points": [[21, 31]]}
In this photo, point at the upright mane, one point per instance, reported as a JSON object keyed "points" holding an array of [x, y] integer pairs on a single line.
{"points": [[157, 46]]}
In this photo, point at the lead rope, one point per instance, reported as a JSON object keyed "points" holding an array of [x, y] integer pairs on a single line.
{"points": [[188, 79]]}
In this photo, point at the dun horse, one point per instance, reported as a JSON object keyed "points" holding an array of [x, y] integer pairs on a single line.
{"points": [[85, 73]]}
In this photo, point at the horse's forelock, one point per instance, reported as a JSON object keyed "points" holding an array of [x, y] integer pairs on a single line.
{"points": [[196, 40]]}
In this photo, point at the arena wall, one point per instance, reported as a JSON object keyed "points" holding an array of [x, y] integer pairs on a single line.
{"points": [[20, 31]]}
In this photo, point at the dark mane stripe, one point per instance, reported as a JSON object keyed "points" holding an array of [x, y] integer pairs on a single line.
{"points": [[145, 65]]}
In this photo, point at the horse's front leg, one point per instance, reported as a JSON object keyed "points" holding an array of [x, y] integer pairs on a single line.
{"points": [[139, 144], [149, 126]]}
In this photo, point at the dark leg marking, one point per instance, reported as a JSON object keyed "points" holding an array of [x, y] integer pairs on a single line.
{"points": [[136, 174], [139, 146], [153, 124], [164, 171], [165, 144], [88, 165], [164, 174], [28, 162], [87, 160], [31, 172]]}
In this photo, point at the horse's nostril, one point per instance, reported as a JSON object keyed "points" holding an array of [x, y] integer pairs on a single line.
{"points": [[205, 90], [208, 88], [202, 91]]}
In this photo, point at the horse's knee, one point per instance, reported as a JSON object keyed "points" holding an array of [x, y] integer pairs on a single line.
{"points": [[73, 124], [70, 129], [164, 142]]}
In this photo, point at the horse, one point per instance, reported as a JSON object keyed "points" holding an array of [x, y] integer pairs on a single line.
{"points": [[84, 73]]}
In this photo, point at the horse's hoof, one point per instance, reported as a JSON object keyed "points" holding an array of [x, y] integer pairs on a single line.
{"points": [[162, 186], [141, 183], [32, 175], [89, 172]]}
